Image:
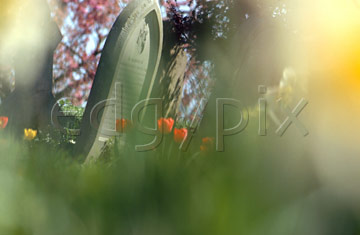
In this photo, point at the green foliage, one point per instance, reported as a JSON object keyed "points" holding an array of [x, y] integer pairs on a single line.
{"points": [[165, 191], [66, 137], [45, 192]]}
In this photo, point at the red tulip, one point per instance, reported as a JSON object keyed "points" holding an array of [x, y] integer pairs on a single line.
{"points": [[3, 122], [165, 125], [180, 134], [122, 125]]}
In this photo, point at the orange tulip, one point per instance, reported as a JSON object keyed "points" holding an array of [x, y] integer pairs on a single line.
{"points": [[207, 144], [122, 125], [165, 125], [3, 122], [180, 134]]}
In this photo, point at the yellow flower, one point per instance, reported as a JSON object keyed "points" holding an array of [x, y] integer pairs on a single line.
{"points": [[29, 134]]}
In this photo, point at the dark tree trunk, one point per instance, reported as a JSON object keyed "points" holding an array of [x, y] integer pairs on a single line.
{"points": [[29, 106], [170, 75]]}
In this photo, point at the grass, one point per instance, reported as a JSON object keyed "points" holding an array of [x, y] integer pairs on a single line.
{"points": [[45, 189]]}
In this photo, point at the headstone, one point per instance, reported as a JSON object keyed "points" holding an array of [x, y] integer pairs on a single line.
{"points": [[125, 74]]}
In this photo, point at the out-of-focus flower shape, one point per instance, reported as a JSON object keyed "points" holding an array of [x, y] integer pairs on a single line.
{"points": [[207, 144], [180, 134], [3, 122], [29, 134], [165, 125], [123, 125], [289, 83]]}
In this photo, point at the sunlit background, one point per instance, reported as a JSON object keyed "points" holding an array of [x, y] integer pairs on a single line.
{"points": [[260, 184]]}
